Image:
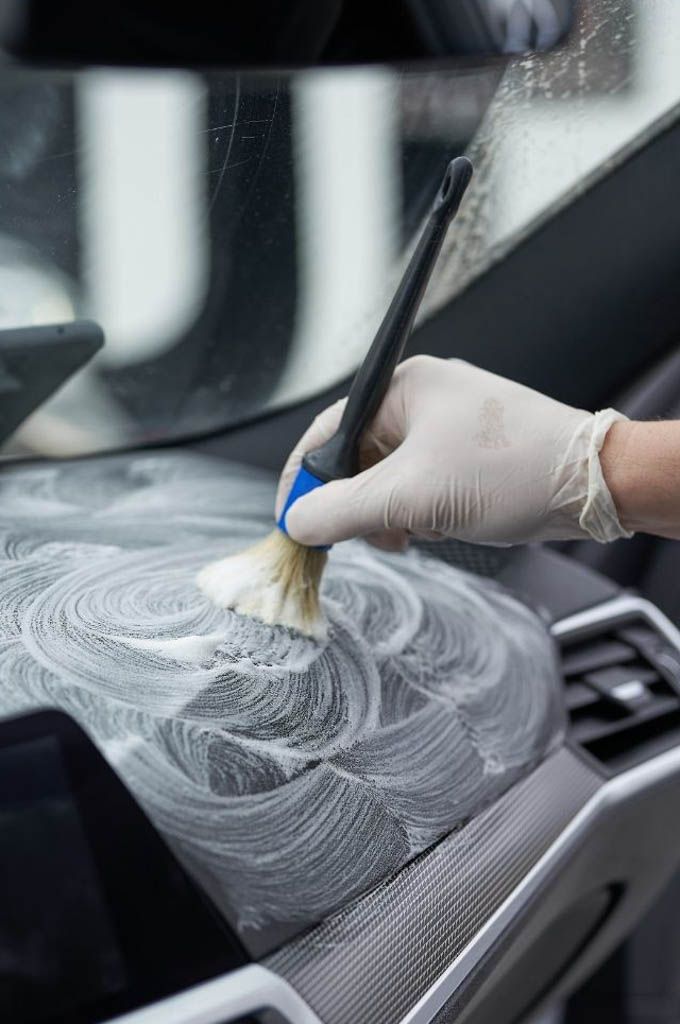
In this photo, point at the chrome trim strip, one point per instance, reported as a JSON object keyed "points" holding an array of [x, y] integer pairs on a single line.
{"points": [[612, 791], [244, 991], [614, 610]]}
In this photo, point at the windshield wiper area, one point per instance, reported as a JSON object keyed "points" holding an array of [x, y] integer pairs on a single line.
{"points": [[35, 361]]}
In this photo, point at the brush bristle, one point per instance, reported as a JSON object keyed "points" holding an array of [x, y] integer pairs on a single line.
{"points": [[276, 581]]}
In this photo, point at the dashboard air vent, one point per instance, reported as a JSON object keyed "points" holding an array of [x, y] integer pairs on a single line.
{"points": [[622, 692]]}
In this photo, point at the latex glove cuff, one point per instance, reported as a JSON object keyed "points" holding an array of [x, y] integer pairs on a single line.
{"points": [[599, 518]]}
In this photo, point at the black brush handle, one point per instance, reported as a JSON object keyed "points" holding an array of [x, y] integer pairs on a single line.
{"points": [[338, 457]]}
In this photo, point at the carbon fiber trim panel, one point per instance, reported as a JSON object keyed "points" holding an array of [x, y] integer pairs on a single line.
{"points": [[374, 960]]}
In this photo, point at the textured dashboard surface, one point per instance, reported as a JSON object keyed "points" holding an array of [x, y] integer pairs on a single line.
{"points": [[290, 776], [373, 961]]}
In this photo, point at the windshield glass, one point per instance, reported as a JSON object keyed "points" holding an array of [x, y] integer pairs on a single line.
{"points": [[238, 237]]}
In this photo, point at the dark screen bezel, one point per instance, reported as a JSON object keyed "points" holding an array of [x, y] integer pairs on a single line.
{"points": [[169, 936]]}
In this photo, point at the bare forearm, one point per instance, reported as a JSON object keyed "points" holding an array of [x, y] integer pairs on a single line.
{"points": [[641, 465]]}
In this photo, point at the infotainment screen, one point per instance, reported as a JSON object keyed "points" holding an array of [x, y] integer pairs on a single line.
{"points": [[96, 915]]}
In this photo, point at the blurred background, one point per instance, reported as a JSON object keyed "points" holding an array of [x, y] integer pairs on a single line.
{"points": [[239, 236]]}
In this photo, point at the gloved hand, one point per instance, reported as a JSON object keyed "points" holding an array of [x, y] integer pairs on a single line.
{"points": [[455, 451]]}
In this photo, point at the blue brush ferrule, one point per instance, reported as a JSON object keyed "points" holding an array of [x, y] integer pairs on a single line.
{"points": [[304, 483]]}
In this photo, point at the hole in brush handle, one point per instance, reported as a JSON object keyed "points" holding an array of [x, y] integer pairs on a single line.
{"points": [[456, 181]]}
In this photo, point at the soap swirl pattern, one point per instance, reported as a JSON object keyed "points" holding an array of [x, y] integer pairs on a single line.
{"points": [[289, 776]]}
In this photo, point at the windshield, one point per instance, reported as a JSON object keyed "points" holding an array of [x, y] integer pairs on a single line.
{"points": [[239, 237]]}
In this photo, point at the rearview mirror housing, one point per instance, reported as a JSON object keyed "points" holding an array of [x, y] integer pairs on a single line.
{"points": [[279, 34]]}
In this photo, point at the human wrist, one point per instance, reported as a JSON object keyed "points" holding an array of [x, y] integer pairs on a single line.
{"points": [[621, 462], [641, 465]]}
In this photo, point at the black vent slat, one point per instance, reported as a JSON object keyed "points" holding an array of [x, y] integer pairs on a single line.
{"points": [[668, 664], [655, 649], [613, 675], [593, 728], [622, 692], [594, 654], [578, 695], [644, 740], [642, 637], [629, 685]]}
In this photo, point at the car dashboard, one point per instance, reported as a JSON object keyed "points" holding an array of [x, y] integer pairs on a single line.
{"points": [[507, 893]]}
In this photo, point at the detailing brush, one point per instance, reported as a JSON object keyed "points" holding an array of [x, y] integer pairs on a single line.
{"points": [[277, 580]]}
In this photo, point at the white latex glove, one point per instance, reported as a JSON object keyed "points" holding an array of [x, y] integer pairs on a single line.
{"points": [[455, 451]]}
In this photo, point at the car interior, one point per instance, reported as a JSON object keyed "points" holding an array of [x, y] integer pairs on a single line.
{"points": [[194, 259]]}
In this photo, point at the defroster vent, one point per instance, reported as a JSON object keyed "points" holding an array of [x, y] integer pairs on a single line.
{"points": [[622, 692]]}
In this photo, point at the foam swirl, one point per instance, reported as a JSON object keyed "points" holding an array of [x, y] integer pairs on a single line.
{"points": [[288, 775]]}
